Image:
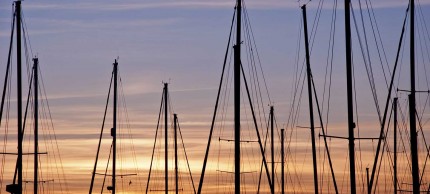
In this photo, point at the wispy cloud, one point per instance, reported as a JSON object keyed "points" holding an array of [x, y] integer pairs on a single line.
{"points": [[76, 23], [56, 26], [115, 6], [190, 4]]}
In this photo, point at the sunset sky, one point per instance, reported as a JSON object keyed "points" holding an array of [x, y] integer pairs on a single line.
{"points": [[183, 42]]}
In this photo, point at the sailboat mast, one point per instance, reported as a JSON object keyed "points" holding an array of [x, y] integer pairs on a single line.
{"points": [[412, 107], [395, 144], [175, 123], [19, 92], [272, 145], [166, 159], [311, 108], [115, 96], [36, 123], [237, 65], [282, 162], [351, 123]]}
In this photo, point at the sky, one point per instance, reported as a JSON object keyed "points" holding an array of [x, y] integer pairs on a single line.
{"points": [[183, 42]]}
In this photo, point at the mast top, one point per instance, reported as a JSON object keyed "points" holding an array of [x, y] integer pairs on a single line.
{"points": [[17, 2]]}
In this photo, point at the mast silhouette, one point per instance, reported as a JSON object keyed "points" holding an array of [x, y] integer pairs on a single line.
{"points": [[395, 144], [113, 132], [311, 108], [115, 96], [166, 159], [351, 123], [176, 133], [282, 162], [16, 188], [175, 124], [237, 70], [272, 145], [36, 123], [237, 64], [412, 107], [4, 92], [19, 92]]}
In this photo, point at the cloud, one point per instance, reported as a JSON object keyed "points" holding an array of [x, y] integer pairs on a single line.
{"points": [[99, 24], [190, 4], [113, 6]]}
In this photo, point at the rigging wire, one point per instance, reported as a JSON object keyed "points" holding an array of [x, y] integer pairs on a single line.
{"points": [[101, 134], [27, 55], [106, 170], [381, 136], [186, 157], [155, 142], [6, 90], [327, 86], [366, 58], [51, 123], [216, 106], [128, 126], [374, 25]]}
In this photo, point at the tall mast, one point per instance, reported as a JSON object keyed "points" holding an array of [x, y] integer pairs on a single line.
{"points": [[395, 144], [351, 123], [412, 108], [282, 162], [19, 92], [115, 95], [272, 145], [237, 64], [36, 123], [175, 120], [311, 108], [166, 159]]}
